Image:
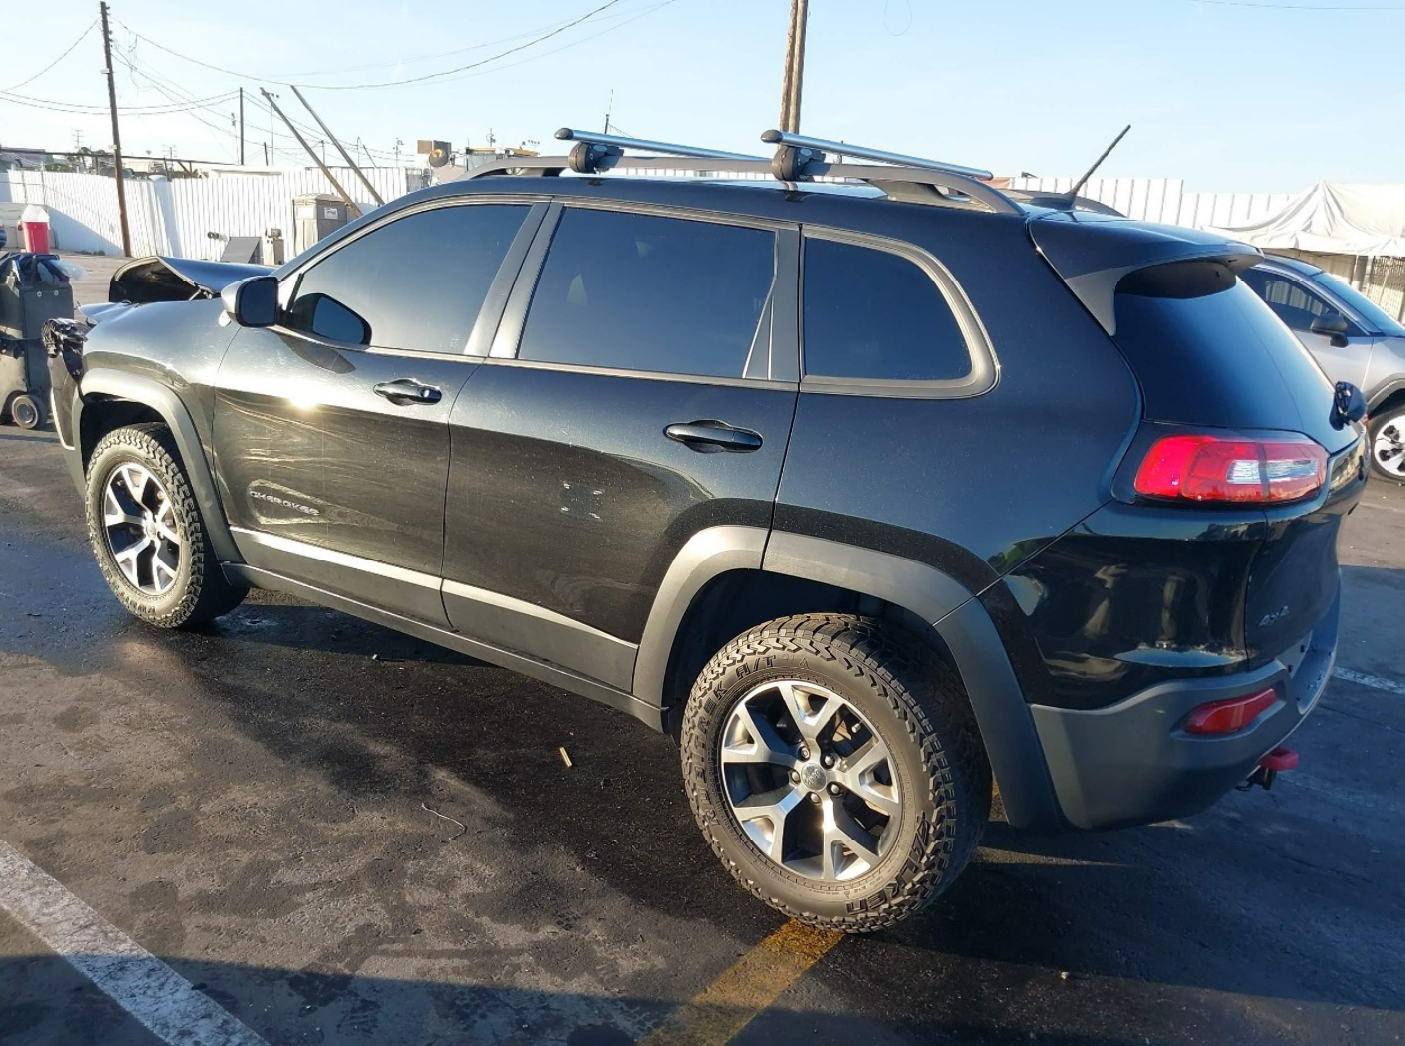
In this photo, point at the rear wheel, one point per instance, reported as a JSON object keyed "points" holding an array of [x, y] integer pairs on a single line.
{"points": [[1388, 444], [147, 533], [836, 770]]}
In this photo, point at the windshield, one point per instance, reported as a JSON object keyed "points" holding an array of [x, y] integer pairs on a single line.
{"points": [[1364, 306]]}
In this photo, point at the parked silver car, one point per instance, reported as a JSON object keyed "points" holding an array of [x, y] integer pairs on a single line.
{"points": [[1354, 340]]}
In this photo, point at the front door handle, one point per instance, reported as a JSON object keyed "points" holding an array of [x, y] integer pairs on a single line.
{"points": [[708, 437], [407, 390]]}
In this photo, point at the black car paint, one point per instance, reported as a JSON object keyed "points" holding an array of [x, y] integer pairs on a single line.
{"points": [[571, 518]]}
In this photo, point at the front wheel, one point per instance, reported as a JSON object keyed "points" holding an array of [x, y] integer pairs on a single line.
{"points": [[147, 533], [836, 769], [1388, 444]]}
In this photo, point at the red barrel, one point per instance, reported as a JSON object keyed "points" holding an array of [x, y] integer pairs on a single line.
{"points": [[34, 227]]}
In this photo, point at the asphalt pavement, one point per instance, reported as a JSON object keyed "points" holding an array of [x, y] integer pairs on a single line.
{"points": [[325, 832]]}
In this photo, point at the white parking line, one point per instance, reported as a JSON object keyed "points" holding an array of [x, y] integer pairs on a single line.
{"points": [[161, 999], [1390, 686]]}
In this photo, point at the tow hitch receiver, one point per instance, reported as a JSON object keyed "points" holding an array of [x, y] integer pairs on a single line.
{"points": [[1270, 766]]}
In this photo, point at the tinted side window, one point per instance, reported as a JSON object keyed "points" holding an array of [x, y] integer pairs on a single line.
{"points": [[872, 314], [1294, 305], [638, 292], [416, 283]]}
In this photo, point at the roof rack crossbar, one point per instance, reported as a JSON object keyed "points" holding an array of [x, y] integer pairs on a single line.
{"points": [[615, 143], [817, 147], [797, 158]]}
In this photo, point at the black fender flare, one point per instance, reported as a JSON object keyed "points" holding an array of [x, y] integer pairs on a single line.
{"points": [[103, 381], [953, 611]]}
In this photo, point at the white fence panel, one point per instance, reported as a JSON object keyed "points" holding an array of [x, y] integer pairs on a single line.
{"points": [[83, 207]]}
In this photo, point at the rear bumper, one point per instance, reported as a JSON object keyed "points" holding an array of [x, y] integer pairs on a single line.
{"points": [[1132, 763]]}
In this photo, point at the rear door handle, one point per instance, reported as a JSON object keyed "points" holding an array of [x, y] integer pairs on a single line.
{"points": [[406, 390], [711, 436]]}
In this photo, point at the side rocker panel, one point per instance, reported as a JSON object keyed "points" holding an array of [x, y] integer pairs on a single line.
{"points": [[105, 382]]}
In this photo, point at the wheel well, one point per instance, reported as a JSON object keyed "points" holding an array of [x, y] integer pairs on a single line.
{"points": [[105, 415], [1394, 401], [738, 600]]}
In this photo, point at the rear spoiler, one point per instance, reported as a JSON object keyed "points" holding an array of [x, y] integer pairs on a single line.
{"points": [[1094, 252]]}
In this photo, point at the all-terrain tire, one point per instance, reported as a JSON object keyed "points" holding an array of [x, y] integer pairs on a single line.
{"points": [[913, 700], [200, 592]]}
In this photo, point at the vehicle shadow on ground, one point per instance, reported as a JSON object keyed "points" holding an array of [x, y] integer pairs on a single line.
{"points": [[1116, 919], [1087, 905], [45, 1002]]}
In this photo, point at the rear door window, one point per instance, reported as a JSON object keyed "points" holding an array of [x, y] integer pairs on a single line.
{"points": [[415, 283], [646, 293], [874, 315]]}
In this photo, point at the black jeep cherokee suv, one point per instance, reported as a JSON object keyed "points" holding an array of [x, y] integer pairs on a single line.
{"points": [[876, 493]]}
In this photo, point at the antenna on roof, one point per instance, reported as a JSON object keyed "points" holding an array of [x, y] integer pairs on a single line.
{"points": [[1072, 194]]}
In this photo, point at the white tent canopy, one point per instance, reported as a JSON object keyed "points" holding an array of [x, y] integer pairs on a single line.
{"points": [[1334, 218]]}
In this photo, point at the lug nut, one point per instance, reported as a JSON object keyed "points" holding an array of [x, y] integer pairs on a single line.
{"points": [[834, 788], [814, 797], [795, 777], [804, 752], [827, 760]]}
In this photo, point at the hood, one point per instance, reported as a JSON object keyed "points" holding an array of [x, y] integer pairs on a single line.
{"points": [[177, 279]]}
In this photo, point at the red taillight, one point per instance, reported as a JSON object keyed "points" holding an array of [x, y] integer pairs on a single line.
{"points": [[1226, 717], [1224, 468]]}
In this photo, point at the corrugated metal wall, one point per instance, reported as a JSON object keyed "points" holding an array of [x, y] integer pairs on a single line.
{"points": [[1164, 200], [83, 207]]}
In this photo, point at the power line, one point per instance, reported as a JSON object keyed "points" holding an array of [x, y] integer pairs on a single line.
{"points": [[537, 37], [472, 65], [85, 108], [177, 94], [66, 52]]}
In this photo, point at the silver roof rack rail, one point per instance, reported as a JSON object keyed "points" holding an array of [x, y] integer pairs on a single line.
{"points": [[801, 150], [595, 151], [797, 159]]}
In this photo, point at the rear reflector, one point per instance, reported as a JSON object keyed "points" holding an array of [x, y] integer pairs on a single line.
{"points": [[1233, 469], [1226, 717]]}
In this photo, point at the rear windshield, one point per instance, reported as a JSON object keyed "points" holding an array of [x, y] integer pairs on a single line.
{"points": [[1208, 351]]}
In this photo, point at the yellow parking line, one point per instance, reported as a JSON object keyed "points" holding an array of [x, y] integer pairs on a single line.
{"points": [[721, 1010]]}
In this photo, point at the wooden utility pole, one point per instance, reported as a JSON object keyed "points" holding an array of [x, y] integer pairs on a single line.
{"points": [[337, 142], [794, 66], [346, 197], [116, 134], [241, 127]]}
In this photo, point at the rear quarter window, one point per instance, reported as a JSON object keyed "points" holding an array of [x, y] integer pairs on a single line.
{"points": [[871, 314]]}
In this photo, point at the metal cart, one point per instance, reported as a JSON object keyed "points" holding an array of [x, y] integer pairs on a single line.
{"points": [[33, 288]]}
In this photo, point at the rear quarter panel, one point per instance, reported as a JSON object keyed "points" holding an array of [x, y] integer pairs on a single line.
{"points": [[973, 485]]}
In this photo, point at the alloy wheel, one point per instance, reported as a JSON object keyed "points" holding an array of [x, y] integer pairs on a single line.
{"points": [[140, 525], [1389, 447], [809, 780]]}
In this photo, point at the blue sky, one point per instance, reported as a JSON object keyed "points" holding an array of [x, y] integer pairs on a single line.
{"points": [[1232, 95]]}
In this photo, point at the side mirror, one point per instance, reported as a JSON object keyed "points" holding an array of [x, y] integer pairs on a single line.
{"points": [[1332, 325], [252, 302]]}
